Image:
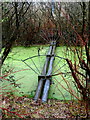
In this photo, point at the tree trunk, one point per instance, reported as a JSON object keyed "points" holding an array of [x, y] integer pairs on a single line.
{"points": [[84, 15], [7, 49], [13, 38], [89, 23], [16, 12]]}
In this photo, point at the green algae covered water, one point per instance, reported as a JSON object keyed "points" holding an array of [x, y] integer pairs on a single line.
{"points": [[25, 73]]}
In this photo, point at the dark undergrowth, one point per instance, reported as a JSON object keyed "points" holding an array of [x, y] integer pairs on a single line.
{"points": [[22, 107]]}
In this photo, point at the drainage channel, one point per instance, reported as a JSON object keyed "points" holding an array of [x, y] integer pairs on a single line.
{"points": [[44, 80]]}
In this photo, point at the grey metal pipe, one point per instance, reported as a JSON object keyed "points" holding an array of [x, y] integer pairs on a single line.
{"points": [[44, 71], [50, 50], [39, 89], [47, 82], [41, 81], [50, 66], [46, 90]]}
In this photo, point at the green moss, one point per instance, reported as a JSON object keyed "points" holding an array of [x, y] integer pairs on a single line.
{"points": [[28, 79]]}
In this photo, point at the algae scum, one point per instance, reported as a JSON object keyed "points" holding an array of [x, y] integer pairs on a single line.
{"points": [[26, 75]]}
